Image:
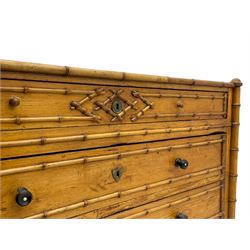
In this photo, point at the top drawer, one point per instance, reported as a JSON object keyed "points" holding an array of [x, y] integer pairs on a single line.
{"points": [[27, 104]]}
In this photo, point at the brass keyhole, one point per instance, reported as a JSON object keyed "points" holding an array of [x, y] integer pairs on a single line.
{"points": [[117, 106]]}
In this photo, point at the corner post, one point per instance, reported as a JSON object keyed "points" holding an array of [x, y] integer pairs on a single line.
{"points": [[233, 173]]}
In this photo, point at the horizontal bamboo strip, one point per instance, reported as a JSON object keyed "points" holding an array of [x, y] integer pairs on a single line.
{"points": [[65, 91], [117, 156], [170, 204], [7, 65], [19, 120], [182, 115], [196, 96], [216, 216], [84, 137], [123, 193]]}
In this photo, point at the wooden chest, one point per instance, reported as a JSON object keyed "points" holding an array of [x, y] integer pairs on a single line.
{"points": [[78, 143]]}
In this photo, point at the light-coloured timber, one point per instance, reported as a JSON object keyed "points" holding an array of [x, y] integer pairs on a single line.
{"points": [[82, 143]]}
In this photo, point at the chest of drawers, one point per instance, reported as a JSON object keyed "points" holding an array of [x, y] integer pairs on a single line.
{"points": [[78, 143]]}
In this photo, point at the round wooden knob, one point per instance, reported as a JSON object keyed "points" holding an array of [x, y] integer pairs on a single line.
{"points": [[23, 197], [180, 105], [14, 101]]}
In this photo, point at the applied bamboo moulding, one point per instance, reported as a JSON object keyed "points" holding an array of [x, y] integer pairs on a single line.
{"points": [[80, 143]]}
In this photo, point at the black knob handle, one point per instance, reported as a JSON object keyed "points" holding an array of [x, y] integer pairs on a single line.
{"points": [[181, 163], [181, 216], [23, 197]]}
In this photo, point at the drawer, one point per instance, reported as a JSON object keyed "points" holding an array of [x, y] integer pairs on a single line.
{"points": [[29, 142], [68, 179], [201, 203], [27, 104]]}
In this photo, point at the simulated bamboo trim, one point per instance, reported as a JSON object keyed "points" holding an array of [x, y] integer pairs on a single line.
{"points": [[170, 204], [78, 105], [234, 148], [108, 110], [64, 91], [15, 66], [20, 120], [67, 91], [149, 105], [117, 134], [194, 96], [118, 194], [109, 98], [217, 216], [116, 156], [159, 115]]}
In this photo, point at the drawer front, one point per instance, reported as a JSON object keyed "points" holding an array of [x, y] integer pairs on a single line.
{"points": [[27, 104], [29, 142], [201, 203], [69, 178]]}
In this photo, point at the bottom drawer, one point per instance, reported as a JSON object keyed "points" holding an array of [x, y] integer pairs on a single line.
{"points": [[200, 203]]}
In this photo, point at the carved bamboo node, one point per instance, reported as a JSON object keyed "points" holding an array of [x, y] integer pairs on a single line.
{"points": [[60, 119], [18, 120], [232, 200], [233, 175], [43, 140], [85, 203], [44, 165], [45, 214], [67, 68], [236, 104], [25, 90], [235, 124], [234, 149]]}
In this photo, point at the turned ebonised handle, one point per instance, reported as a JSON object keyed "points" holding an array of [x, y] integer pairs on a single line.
{"points": [[23, 197], [181, 163], [181, 216]]}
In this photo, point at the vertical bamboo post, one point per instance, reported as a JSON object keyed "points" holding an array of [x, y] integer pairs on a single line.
{"points": [[234, 148]]}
